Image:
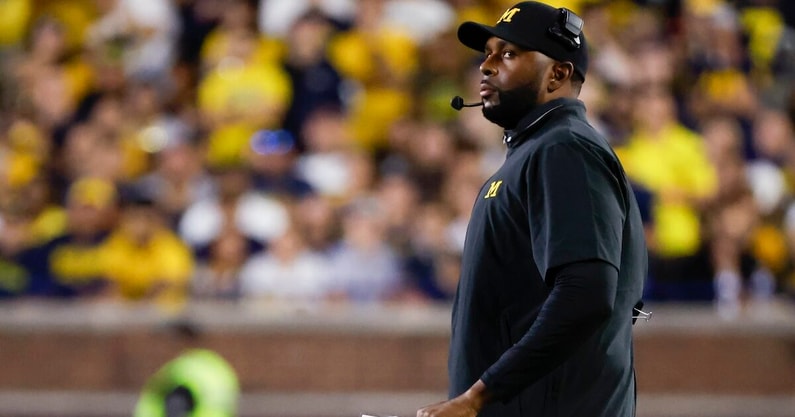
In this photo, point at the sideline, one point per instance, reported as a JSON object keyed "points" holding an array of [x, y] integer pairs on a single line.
{"points": [[118, 404]]}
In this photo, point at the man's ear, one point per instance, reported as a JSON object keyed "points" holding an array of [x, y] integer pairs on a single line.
{"points": [[560, 74]]}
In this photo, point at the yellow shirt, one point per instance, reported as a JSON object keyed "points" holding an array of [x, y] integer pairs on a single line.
{"points": [[382, 58], [244, 91], [765, 26], [76, 264], [725, 86], [372, 113], [673, 165], [48, 224], [383, 64], [238, 101], [139, 269]]}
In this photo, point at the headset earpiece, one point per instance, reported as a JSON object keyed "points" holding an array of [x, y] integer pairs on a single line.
{"points": [[567, 29]]}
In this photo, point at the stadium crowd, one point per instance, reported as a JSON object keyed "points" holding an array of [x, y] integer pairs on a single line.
{"points": [[305, 150]]}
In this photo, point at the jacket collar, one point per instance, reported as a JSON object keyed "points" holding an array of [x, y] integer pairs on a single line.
{"points": [[533, 120]]}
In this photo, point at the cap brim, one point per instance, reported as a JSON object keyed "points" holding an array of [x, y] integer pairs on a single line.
{"points": [[475, 35]]}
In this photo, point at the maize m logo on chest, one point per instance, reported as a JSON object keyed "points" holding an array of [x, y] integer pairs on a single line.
{"points": [[493, 188]]}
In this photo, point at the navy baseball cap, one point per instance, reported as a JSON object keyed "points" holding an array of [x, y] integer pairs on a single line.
{"points": [[557, 33]]}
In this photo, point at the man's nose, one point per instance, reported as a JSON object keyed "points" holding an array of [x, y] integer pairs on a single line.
{"points": [[487, 69]]}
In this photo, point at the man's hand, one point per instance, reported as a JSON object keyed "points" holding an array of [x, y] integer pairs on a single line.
{"points": [[467, 404]]}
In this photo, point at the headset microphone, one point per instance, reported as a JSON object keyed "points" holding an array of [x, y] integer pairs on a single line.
{"points": [[458, 103]]}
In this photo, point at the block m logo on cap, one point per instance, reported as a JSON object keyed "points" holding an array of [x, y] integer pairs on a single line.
{"points": [[508, 15]]}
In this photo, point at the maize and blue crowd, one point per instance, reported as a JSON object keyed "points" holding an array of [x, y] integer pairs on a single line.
{"points": [[306, 151]]}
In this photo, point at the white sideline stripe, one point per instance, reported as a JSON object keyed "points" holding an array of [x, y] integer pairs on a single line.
{"points": [[118, 404]]}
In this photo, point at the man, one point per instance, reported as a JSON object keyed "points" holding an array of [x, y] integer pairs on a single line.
{"points": [[555, 258]]}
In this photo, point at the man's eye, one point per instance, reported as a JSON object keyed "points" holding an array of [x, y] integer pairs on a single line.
{"points": [[508, 54]]}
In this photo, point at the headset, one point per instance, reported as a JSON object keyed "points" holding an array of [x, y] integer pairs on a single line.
{"points": [[567, 29]]}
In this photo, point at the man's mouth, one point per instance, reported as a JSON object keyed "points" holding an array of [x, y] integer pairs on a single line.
{"points": [[486, 90]]}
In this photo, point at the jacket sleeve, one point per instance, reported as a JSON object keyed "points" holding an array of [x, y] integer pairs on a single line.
{"points": [[580, 302]]}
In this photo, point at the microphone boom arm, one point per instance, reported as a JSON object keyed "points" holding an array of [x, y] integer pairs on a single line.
{"points": [[458, 103]]}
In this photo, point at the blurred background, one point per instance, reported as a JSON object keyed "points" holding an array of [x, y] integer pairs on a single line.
{"points": [[284, 182]]}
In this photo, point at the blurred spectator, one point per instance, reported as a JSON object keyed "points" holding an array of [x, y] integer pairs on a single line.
{"points": [[47, 218], [399, 197], [426, 151], [272, 157], [275, 17], [14, 278], [178, 177], [198, 18], [287, 271], [331, 164], [89, 151], [149, 127], [774, 138], [616, 119], [29, 213], [610, 59], [717, 62], [237, 206], [47, 79], [236, 38], [670, 161], [432, 264], [364, 268], [245, 91], [316, 83], [459, 191], [108, 80], [72, 264], [770, 48], [26, 220], [25, 155], [236, 102], [128, 123], [143, 258], [317, 221], [145, 31], [29, 217], [731, 217], [381, 59], [218, 276], [770, 177]]}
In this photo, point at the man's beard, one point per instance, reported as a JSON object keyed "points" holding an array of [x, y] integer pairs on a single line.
{"points": [[513, 106]]}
